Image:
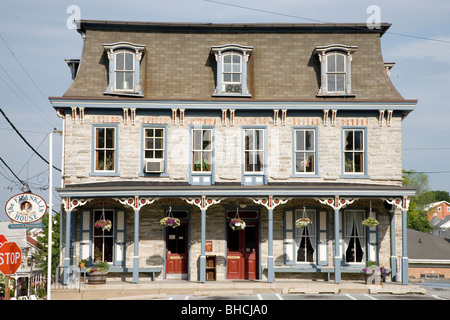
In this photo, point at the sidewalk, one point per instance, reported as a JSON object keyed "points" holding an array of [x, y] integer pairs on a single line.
{"points": [[113, 290]]}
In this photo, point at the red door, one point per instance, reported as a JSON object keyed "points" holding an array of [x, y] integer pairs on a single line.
{"points": [[176, 252], [242, 253]]}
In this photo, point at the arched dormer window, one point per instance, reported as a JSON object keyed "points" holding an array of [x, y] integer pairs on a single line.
{"points": [[231, 70], [335, 65], [124, 62]]}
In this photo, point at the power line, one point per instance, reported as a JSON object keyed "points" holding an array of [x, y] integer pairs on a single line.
{"points": [[22, 182], [26, 140], [315, 20]]}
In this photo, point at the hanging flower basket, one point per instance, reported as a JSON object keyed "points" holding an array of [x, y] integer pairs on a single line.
{"points": [[302, 222], [103, 224], [370, 222], [170, 222], [237, 224]]}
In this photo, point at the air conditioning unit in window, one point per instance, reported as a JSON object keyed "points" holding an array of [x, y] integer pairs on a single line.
{"points": [[154, 166], [235, 88]]}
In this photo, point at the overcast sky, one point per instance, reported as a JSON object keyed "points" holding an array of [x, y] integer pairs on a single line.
{"points": [[35, 38]]}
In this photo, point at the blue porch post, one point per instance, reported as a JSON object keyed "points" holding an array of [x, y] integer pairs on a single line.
{"points": [[270, 271], [337, 254], [136, 247], [405, 263], [67, 249], [393, 249], [203, 241]]}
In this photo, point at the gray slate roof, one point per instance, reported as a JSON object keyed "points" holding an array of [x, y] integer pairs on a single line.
{"points": [[422, 245]]}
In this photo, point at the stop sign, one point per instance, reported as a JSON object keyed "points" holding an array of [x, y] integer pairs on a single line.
{"points": [[2, 239], [10, 258]]}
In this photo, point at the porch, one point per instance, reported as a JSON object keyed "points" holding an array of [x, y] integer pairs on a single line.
{"points": [[279, 198]]}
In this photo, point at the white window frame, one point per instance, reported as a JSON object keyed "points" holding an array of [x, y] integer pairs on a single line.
{"points": [[335, 73], [300, 233], [112, 50], [255, 151], [124, 71], [354, 151], [153, 150], [324, 52], [348, 234], [232, 71], [98, 233], [305, 151], [208, 149], [97, 149]]}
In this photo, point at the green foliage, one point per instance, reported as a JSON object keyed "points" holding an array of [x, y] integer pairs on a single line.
{"points": [[417, 218], [42, 254]]}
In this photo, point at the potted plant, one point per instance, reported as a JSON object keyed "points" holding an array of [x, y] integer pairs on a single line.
{"points": [[103, 224], [373, 273], [370, 222], [237, 224], [97, 274], [302, 222], [170, 222], [82, 263]]}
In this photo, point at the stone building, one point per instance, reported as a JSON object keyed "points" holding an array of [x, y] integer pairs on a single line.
{"points": [[269, 123]]}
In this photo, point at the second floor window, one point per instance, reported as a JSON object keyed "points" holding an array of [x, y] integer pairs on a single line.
{"points": [[201, 150], [254, 150], [305, 151], [105, 149], [154, 144], [354, 150]]}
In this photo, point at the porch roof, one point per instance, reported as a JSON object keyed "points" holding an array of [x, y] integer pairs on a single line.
{"points": [[183, 189]]}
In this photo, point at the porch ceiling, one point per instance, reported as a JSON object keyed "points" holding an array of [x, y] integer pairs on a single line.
{"points": [[180, 189]]}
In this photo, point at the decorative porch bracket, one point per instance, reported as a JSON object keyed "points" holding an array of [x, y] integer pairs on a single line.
{"points": [[403, 205], [136, 203], [70, 205], [203, 203], [270, 203], [337, 204]]}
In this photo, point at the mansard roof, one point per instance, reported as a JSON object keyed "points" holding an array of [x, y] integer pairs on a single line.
{"points": [[178, 62]]}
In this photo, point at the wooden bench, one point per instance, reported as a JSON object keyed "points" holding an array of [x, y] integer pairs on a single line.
{"points": [[116, 269], [318, 269]]}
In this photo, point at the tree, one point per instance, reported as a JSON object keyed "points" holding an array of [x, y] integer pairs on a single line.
{"points": [[42, 254], [417, 217]]}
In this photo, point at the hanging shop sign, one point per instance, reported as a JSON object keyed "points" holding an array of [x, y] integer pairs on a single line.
{"points": [[26, 208]]}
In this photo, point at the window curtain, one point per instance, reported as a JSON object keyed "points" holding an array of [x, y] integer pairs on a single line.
{"points": [[353, 219]]}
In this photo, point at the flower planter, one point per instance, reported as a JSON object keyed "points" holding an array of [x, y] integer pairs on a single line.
{"points": [[97, 277], [372, 277]]}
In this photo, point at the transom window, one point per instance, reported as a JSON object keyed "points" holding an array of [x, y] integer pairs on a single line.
{"points": [[305, 150], [105, 148], [354, 150], [201, 150], [336, 72], [124, 70], [154, 143], [254, 150]]}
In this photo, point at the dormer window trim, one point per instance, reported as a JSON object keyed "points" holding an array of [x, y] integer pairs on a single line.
{"points": [[335, 51], [120, 70], [231, 70]]}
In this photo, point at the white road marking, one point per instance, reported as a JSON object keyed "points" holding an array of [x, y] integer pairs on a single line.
{"points": [[369, 296], [353, 298], [278, 296], [436, 297]]}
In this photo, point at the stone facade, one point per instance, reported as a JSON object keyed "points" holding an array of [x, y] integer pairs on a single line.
{"points": [[177, 79]]}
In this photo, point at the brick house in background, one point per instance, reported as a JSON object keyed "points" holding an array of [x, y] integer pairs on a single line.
{"points": [[209, 122]]}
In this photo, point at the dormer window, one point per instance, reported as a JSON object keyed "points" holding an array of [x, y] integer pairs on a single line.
{"points": [[231, 70], [124, 62], [335, 65]]}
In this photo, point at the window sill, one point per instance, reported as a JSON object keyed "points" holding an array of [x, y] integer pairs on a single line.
{"points": [[156, 175], [236, 95], [335, 94], [104, 174], [354, 176], [305, 175], [125, 94]]}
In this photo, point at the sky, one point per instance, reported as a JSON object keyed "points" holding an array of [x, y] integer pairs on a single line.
{"points": [[37, 35]]}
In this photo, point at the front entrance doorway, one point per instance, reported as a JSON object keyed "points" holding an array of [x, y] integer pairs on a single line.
{"points": [[243, 252], [177, 252]]}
